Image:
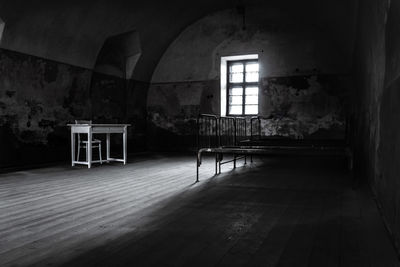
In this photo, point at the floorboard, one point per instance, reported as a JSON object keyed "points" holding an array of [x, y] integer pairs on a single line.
{"points": [[273, 212]]}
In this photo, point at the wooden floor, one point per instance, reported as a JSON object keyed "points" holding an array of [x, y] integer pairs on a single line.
{"points": [[274, 212]]}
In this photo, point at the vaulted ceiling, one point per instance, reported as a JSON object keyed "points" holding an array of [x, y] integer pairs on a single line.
{"points": [[74, 32]]}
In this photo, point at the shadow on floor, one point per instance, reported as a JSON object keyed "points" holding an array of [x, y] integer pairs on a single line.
{"points": [[275, 212]]}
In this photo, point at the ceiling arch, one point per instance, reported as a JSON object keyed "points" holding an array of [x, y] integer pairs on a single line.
{"points": [[119, 55], [2, 25], [74, 32]]}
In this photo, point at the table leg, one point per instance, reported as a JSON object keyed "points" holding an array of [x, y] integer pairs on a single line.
{"points": [[108, 146], [125, 143], [89, 150], [72, 148]]}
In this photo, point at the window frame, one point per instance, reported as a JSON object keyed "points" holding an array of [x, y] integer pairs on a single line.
{"points": [[243, 84]]}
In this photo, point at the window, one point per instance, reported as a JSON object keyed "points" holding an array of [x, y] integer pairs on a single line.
{"points": [[242, 87]]}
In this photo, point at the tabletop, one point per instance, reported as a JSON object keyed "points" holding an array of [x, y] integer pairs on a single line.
{"points": [[99, 125]]}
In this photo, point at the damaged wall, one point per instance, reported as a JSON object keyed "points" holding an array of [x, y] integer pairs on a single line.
{"points": [[305, 107], [39, 97], [304, 75], [172, 111], [377, 132]]}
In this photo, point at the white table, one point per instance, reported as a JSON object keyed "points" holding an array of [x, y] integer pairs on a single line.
{"points": [[91, 129]]}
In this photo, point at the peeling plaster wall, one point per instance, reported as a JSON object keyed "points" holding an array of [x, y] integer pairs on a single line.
{"points": [[39, 97], [377, 131], [304, 107], [172, 111], [304, 75]]}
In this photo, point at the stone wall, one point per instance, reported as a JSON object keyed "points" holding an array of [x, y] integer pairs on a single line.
{"points": [[39, 97], [305, 76], [172, 111], [377, 132]]}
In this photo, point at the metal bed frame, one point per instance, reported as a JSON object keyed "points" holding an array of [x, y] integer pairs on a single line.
{"points": [[228, 135], [224, 133]]}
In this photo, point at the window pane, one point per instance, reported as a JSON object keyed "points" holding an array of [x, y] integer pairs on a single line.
{"points": [[236, 73], [252, 100], [235, 110], [235, 100], [252, 67], [236, 77], [236, 91], [251, 76], [236, 67], [251, 90], [251, 109], [252, 72]]}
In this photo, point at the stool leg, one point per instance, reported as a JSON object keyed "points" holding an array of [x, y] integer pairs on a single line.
{"points": [[87, 153], [101, 160], [79, 149], [216, 163]]}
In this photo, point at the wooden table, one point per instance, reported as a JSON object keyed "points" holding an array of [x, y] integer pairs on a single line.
{"points": [[91, 129]]}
